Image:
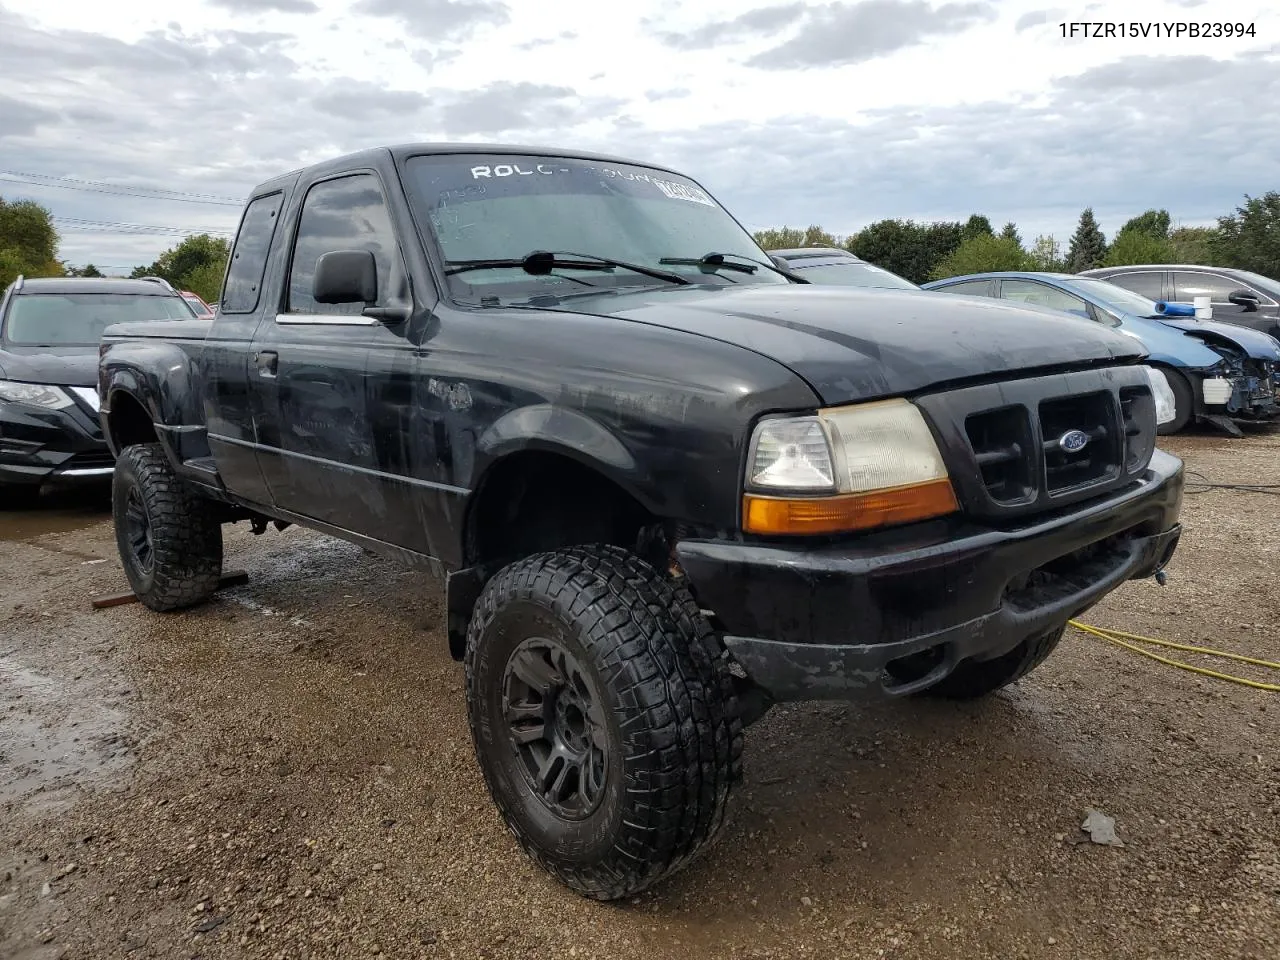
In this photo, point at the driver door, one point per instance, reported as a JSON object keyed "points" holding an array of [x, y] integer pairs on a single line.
{"points": [[316, 369]]}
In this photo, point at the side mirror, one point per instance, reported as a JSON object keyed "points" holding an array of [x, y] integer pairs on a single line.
{"points": [[345, 276], [1244, 298], [780, 262]]}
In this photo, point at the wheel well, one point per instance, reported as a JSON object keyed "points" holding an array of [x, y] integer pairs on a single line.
{"points": [[129, 422], [535, 501]]}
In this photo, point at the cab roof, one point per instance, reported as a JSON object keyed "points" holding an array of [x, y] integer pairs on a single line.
{"points": [[402, 151]]}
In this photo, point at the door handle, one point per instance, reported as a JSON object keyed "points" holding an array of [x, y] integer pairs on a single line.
{"points": [[267, 362]]}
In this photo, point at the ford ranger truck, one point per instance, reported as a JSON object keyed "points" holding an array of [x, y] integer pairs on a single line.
{"points": [[667, 484]]}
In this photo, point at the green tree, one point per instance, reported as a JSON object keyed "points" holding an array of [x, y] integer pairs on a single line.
{"points": [[983, 253], [1153, 223], [1192, 244], [976, 226], [783, 238], [28, 241], [1010, 232], [88, 270], [1046, 255], [905, 247], [1249, 239], [1134, 245], [196, 264], [1088, 245]]}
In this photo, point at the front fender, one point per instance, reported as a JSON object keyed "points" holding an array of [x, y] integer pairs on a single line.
{"points": [[555, 429], [1167, 345]]}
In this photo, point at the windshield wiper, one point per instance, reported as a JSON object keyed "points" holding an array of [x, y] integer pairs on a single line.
{"points": [[719, 261], [542, 262]]}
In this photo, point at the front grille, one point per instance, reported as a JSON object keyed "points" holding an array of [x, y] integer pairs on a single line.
{"points": [[1033, 445], [1137, 417], [1001, 440], [1091, 416]]}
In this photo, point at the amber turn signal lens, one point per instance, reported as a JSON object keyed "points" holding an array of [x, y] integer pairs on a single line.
{"points": [[854, 511]]}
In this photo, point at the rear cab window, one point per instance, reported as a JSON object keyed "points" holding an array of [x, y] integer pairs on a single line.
{"points": [[248, 265]]}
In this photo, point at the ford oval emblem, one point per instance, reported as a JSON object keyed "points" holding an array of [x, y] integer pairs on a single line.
{"points": [[1073, 441]]}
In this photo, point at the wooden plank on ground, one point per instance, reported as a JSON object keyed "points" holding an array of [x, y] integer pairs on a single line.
{"points": [[232, 578]]}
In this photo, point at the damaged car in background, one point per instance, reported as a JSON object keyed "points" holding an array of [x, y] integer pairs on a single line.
{"points": [[1222, 374], [668, 483]]}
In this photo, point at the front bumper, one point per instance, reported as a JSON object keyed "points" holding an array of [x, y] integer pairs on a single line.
{"points": [[895, 612], [1245, 397], [40, 447]]}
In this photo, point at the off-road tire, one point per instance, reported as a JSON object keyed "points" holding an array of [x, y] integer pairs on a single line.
{"points": [[185, 533], [978, 678], [674, 735], [1183, 403]]}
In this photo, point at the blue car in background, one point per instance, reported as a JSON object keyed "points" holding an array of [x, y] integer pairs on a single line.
{"points": [[1219, 373]]}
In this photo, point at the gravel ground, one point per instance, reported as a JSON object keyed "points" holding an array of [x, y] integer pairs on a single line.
{"points": [[286, 772]]}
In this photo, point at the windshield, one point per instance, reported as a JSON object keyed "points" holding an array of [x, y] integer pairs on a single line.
{"points": [[853, 274], [78, 319], [486, 207], [1118, 298]]}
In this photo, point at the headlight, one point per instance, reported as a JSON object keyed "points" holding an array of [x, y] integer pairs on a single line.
{"points": [[1163, 394], [848, 468], [35, 394]]}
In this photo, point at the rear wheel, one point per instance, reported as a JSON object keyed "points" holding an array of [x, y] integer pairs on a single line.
{"points": [[169, 538], [1183, 402], [977, 678], [603, 716]]}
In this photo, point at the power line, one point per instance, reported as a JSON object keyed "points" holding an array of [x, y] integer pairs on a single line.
{"points": [[78, 225], [127, 186], [118, 190]]}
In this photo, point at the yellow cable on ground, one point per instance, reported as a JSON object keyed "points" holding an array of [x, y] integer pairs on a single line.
{"points": [[1114, 636]]}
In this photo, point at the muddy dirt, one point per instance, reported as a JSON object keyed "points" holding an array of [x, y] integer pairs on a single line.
{"points": [[286, 772]]}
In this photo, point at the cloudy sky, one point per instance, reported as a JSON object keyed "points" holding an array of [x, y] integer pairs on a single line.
{"points": [[795, 112]]}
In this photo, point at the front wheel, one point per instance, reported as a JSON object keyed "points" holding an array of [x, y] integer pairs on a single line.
{"points": [[977, 678], [1183, 402], [603, 716], [169, 538]]}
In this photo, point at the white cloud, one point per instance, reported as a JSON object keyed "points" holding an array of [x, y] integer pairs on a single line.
{"points": [[792, 110]]}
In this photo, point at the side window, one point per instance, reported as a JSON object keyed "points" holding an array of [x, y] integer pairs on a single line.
{"points": [[1212, 285], [344, 214], [1042, 295], [1148, 284], [249, 258], [969, 288]]}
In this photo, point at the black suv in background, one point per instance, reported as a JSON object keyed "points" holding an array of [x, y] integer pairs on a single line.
{"points": [[49, 334], [1238, 296]]}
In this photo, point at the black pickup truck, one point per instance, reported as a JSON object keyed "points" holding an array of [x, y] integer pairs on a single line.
{"points": [[667, 482]]}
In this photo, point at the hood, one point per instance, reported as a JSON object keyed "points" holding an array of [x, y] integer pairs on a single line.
{"points": [[67, 367], [1254, 342], [855, 343]]}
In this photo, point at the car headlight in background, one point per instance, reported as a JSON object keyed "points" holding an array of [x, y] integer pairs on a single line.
{"points": [[1163, 394], [39, 395], [847, 468]]}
